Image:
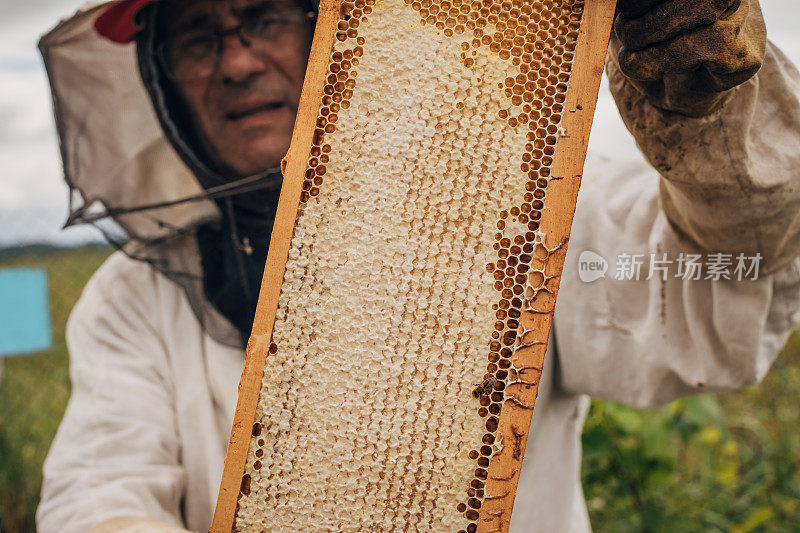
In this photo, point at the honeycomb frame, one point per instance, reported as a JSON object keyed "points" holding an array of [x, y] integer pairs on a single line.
{"points": [[507, 392]]}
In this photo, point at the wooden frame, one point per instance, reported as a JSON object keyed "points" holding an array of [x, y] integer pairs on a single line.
{"points": [[293, 167], [555, 225], [556, 222]]}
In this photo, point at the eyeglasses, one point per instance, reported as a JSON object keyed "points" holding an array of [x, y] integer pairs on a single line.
{"points": [[194, 55]]}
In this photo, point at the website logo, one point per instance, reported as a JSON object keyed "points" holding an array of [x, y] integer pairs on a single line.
{"points": [[591, 266]]}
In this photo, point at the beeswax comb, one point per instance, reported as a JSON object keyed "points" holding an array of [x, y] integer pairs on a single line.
{"points": [[412, 275]]}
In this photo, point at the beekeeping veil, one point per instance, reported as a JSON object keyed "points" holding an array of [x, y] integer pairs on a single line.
{"points": [[134, 172]]}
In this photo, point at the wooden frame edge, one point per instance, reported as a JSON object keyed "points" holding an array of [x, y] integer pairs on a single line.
{"points": [[293, 167], [515, 417]]}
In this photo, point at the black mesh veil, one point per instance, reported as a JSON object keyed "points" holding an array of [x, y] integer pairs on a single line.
{"points": [[210, 238]]}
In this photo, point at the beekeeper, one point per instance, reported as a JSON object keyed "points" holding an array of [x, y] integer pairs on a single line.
{"points": [[160, 101]]}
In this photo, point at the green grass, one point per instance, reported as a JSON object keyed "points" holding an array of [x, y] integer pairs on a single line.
{"points": [[34, 389], [708, 463]]}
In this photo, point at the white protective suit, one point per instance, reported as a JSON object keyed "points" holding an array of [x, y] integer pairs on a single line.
{"points": [[142, 443]]}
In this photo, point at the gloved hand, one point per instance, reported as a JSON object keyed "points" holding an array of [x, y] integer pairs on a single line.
{"points": [[686, 55]]}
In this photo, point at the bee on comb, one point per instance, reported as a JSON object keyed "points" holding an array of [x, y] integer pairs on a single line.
{"points": [[484, 388]]}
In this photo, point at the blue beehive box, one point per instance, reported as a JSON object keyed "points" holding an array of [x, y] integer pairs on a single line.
{"points": [[24, 311]]}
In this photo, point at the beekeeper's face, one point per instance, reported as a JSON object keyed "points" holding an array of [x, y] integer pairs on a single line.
{"points": [[239, 66]]}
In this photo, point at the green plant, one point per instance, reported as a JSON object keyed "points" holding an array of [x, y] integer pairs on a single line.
{"points": [[721, 463]]}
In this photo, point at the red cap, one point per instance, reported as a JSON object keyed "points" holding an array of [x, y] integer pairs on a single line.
{"points": [[116, 22]]}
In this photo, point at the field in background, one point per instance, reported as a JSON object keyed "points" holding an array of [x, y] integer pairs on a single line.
{"points": [[34, 389], [724, 463]]}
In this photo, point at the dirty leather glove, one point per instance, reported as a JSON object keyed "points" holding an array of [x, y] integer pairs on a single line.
{"points": [[686, 55]]}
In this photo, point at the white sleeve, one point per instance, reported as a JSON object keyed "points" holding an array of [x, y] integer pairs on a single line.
{"points": [[731, 180], [116, 453], [727, 183], [647, 342], [135, 525]]}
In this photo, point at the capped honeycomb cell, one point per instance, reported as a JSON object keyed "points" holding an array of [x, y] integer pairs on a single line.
{"points": [[414, 266]]}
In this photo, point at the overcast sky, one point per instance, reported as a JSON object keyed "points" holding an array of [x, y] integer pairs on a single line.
{"points": [[33, 198]]}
